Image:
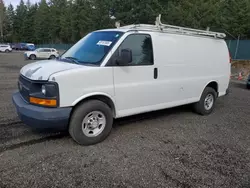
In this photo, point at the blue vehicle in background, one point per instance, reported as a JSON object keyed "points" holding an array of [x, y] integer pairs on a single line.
{"points": [[30, 47], [24, 46]]}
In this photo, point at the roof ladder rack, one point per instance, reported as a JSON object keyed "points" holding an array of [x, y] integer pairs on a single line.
{"points": [[159, 26]]}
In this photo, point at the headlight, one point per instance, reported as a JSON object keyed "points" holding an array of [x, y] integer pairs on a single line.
{"points": [[44, 94], [43, 89]]}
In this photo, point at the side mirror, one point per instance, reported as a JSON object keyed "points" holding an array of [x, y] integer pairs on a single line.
{"points": [[125, 57]]}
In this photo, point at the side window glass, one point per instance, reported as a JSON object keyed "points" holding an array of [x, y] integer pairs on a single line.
{"points": [[141, 47], [41, 50]]}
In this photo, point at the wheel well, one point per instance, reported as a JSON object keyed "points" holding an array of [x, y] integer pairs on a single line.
{"points": [[213, 85], [102, 98]]}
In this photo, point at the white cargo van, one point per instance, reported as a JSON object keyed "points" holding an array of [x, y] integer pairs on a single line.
{"points": [[119, 72]]}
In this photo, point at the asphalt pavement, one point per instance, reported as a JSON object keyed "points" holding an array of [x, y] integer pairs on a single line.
{"points": [[168, 148]]}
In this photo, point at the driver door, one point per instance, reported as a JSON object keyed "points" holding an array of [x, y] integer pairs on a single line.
{"points": [[135, 83]]}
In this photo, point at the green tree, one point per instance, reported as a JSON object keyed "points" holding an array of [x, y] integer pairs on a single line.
{"points": [[66, 21], [57, 7], [42, 23], [2, 18], [10, 15], [137, 11], [235, 19], [29, 23]]}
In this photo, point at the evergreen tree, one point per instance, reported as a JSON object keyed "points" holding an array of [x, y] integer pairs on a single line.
{"points": [[42, 23], [18, 23], [66, 21], [10, 15], [2, 18]]}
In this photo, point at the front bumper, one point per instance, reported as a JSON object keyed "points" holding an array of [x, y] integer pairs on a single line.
{"points": [[25, 56], [41, 117]]}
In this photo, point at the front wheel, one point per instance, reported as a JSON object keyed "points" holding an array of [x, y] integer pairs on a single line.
{"points": [[32, 57], [91, 122], [7, 51], [207, 102], [52, 57]]}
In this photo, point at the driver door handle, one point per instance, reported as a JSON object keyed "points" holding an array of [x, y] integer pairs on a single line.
{"points": [[155, 73]]}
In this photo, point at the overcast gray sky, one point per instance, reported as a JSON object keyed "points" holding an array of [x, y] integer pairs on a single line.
{"points": [[16, 2]]}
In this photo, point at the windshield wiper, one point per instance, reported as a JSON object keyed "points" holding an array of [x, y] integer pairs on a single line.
{"points": [[75, 60]]}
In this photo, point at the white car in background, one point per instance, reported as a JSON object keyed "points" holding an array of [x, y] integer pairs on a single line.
{"points": [[5, 48], [42, 53]]}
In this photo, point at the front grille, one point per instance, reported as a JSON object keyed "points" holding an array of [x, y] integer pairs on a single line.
{"points": [[24, 86]]}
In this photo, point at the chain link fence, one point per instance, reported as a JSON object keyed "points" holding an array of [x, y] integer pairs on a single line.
{"points": [[239, 49]]}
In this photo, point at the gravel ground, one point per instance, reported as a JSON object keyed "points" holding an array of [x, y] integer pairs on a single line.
{"points": [[169, 148]]}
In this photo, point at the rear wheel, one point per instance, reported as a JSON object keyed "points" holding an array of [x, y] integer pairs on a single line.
{"points": [[207, 102], [7, 51], [32, 57], [91, 122]]}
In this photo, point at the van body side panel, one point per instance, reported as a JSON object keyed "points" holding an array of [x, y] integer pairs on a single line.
{"points": [[188, 63], [85, 81]]}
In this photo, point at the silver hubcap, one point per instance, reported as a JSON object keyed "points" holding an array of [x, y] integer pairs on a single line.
{"points": [[93, 124], [209, 102]]}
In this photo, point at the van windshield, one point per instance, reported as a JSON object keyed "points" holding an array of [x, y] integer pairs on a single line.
{"points": [[93, 48]]}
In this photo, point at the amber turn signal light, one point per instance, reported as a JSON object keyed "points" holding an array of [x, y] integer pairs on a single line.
{"points": [[43, 102]]}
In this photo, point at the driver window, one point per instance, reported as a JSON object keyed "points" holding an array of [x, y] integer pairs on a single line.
{"points": [[141, 47]]}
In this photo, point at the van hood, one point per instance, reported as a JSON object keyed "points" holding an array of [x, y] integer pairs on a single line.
{"points": [[42, 70]]}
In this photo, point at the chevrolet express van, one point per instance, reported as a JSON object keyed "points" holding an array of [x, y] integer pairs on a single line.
{"points": [[124, 71]]}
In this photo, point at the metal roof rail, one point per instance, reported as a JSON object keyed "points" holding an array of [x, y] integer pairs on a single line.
{"points": [[159, 26]]}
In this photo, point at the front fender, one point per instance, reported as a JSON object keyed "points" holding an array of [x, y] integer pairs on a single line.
{"points": [[92, 95]]}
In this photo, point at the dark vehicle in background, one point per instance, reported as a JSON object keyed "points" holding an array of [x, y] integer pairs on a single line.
{"points": [[18, 46], [248, 82], [23, 46]]}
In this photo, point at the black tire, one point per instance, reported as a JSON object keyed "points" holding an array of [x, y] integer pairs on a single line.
{"points": [[199, 107], [75, 125], [248, 86], [7, 51], [52, 57], [32, 57]]}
